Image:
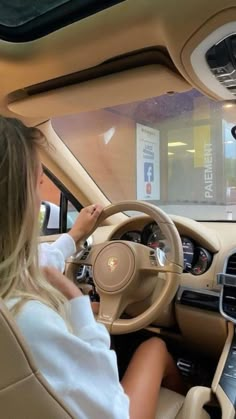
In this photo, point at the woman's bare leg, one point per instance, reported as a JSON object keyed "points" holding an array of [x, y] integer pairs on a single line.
{"points": [[150, 364]]}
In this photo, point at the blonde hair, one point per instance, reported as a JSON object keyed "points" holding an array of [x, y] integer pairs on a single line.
{"points": [[20, 276]]}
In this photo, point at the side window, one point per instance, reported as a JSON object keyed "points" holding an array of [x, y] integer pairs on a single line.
{"points": [[57, 212]]}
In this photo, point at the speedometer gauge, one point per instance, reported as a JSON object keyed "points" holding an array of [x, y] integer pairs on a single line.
{"points": [[153, 237], [188, 251], [154, 242]]}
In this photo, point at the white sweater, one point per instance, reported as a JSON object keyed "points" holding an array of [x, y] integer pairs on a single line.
{"points": [[56, 253], [80, 367]]}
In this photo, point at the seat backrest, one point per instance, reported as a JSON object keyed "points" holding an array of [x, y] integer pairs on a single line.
{"points": [[24, 393]]}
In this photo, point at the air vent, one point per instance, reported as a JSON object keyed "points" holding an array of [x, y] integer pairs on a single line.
{"points": [[231, 265]]}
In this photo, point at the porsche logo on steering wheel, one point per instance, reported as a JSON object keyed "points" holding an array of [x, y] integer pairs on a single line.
{"points": [[112, 263]]}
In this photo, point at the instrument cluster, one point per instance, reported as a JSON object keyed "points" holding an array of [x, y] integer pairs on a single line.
{"points": [[197, 259]]}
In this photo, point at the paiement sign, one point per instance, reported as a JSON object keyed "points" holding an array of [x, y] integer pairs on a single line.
{"points": [[208, 171], [148, 162]]}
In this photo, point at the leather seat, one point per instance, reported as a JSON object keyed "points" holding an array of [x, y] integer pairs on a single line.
{"points": [[172, 405], [169, 404], [24, 393]]}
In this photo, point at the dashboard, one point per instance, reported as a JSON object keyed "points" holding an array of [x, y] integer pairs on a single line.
{"points": [[208, 248], [197, 259]]}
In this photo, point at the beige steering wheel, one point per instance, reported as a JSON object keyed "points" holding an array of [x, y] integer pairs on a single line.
{"points": [[126, 272]]}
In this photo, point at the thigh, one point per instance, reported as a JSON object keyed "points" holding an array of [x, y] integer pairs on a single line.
{"points": [[143, 378]]}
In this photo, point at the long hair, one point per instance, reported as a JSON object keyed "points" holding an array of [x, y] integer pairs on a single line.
{"points": [[20, 276]]}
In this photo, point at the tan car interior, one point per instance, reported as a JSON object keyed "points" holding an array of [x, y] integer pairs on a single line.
{"points": [[25, 394], [134, 50]]}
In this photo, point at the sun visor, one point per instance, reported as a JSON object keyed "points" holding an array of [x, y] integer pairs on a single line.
{"points": [[119, 88]]}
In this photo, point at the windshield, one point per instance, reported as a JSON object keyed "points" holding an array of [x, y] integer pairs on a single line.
{"points": [[175, 151]]}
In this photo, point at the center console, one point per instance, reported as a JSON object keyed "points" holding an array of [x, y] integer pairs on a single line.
{"points": [[228, 377], [224, 382]]}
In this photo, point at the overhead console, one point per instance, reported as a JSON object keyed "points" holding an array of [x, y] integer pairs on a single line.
{"points": [[209, 56], [214, 61], [221, 59]]}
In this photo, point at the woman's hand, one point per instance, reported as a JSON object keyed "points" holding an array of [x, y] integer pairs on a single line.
{"points": [[61, 283], [85, 222], [65, 285], [95, 307]]}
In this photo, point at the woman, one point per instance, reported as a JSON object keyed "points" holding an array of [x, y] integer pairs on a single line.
{"points": [[71, 350], [55, 254]]}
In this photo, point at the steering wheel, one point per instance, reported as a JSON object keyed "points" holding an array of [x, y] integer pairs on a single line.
{"points": [[126, 272]]}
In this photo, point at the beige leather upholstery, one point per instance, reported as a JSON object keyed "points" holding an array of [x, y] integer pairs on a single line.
{"points": [[172, 405], [169, 404], [196, 398], [24, 394]]}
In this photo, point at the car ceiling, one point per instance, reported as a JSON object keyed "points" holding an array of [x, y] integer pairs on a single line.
{"points": [[132, 25]]}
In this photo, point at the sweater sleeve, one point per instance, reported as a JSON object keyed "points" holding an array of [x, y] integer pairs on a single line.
{"points": [[80, 367], [85, 326], [56, 253]]}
